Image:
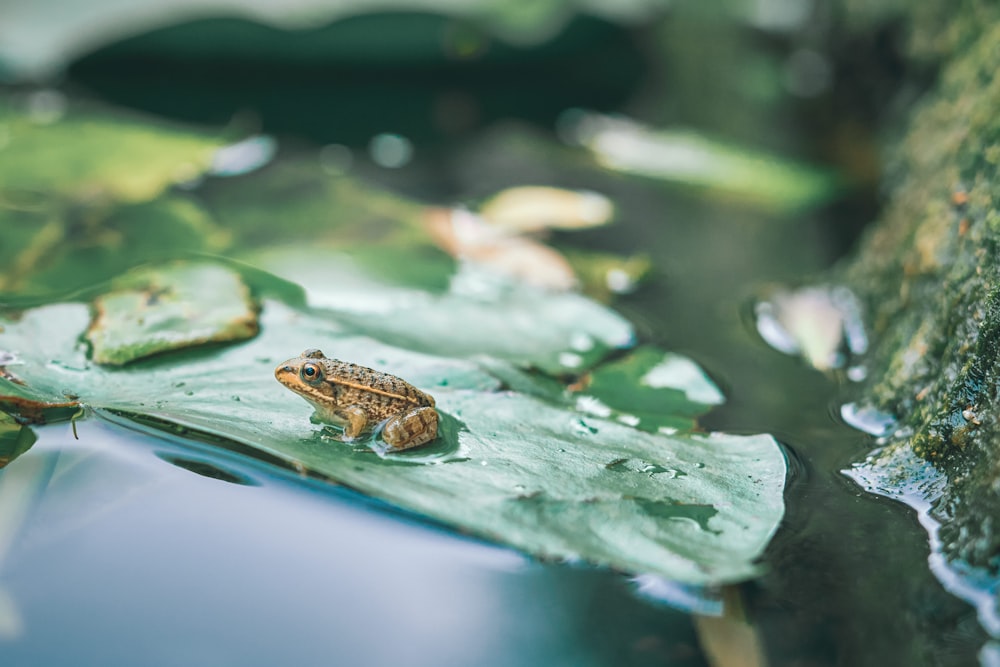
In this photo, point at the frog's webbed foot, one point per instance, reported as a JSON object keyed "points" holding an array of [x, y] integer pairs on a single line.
{"points": [[411, 429]]}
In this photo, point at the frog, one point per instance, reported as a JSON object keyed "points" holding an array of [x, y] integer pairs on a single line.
{"points": [[358, 399]]}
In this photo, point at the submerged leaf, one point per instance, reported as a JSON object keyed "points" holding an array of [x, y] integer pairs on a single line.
{"points": [[522, 467], [180, 305]]}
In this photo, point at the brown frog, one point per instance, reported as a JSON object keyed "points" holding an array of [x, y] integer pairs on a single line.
{"points": [[358, 398]]}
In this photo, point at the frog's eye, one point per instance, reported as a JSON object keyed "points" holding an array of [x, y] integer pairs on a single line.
{"points": [[311, 372]]}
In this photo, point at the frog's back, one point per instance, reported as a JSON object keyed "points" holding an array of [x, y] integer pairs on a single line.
{"points": [[380, 393]]}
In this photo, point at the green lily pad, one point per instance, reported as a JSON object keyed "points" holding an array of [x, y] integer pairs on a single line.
{"points": [[481, 314], [526, 469], [180, 305], [651, 389], [85, 153], [688, 158], [53, 251], [603, 275]]}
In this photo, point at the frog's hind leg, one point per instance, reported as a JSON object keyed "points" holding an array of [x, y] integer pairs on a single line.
{"points": [[411, 429]]}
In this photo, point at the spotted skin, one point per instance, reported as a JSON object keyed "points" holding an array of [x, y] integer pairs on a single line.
{"points": [[357, 399]]}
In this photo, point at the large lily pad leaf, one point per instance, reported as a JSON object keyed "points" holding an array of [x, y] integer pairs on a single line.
{"points": [[86, 153], [480, 313], [529, 470], [49, 249]]}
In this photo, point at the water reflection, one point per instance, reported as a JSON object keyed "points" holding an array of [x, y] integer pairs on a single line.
{"points": [[208, 469], [122, 560]]}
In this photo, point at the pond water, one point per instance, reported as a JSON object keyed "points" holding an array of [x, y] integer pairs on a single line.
{"points": [[128, 547], [122, 546]]}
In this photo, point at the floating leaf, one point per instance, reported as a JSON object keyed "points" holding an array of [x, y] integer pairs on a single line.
{"points": [[180, 305], [526, 470], [480, 313], [604, 274], [536, 208], [66, 251], [650, 389], [87, 153], [821, 323], [468, 237], [689, 158]]}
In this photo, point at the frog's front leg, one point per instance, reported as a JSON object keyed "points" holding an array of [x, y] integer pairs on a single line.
{"points": [[411, 429], [355, 420]]}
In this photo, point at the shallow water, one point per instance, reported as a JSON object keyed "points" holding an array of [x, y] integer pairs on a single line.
{"points": [[848, 581], [135, 549], [124, 556]]}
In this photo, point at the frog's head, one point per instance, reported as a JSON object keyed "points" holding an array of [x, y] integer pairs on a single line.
{"points": [[305, 375]]}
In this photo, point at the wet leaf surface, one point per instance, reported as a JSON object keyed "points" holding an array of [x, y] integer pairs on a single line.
{"points": [[479, 314], [652, 390], [524, 469]]}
